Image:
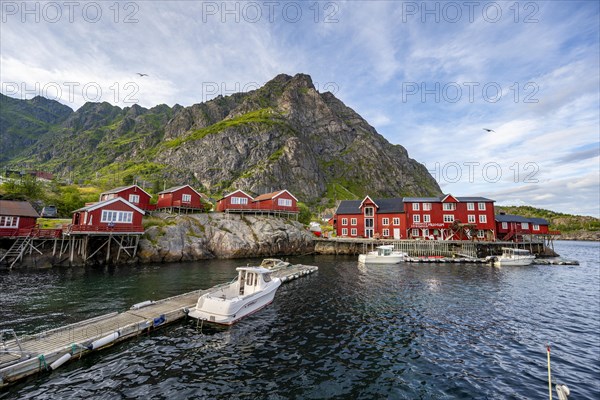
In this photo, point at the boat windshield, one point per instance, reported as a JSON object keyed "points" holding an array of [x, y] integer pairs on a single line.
{"points": [[385, 252]]}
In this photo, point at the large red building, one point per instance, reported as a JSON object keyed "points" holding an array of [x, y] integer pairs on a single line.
{"points": [[16, 215], [180, 197], [133, 194], [439, 218], [114, 215]]}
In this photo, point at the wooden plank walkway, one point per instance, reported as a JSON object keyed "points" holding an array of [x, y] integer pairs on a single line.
{"points": [[35, 353]]}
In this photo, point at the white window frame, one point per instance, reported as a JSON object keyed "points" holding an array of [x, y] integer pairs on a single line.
{"points": [[471, 219], [353, 221], [115, 216], [481, 206], [415, 206], [416, 218], [448, 218], [426, 206], [9, 222], [239, 200], [470, 206], [385, 221], [480, 234], [385, 232], [536, 227], [415, 232], [134, 198], [284, 202], [369, 211], [396, 221], [426, 218], [505, 225], [344, 221], [449, 206], [353, 232], [524, 225], [344, 231], [483, 219], [186, 198], [425, 232]]}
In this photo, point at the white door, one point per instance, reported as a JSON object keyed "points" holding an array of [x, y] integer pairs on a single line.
{"points": [[397, 233]]}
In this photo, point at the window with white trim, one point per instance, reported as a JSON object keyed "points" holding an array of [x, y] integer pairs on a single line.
{"points": [[186, 198], [344, 221], [449, 206], [385, 232], [352, 221], [369, 211], [9, 222], [426, 218], [480, 234], [239, 200], [471, 219], [524, 225], [416, 218], [483, 219], [396, 221], [353, 232], [425, 232], [481, 206], [536, 227], [385, 221], [134, 198], [415, 206], [284, 202], [344, 231], [415, 232], [426, 206], [448, 218], [121, 217], [505, 225], [471, 206]]}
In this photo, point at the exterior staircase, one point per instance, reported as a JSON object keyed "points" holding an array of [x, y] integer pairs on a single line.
{"points": [[16, 251]]}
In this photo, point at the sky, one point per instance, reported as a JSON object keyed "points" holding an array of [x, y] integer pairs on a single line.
{"points": [[431, 76]]}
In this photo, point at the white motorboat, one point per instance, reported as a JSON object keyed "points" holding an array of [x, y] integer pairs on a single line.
{"points": [[383, 255], [252, 290], [516, 257]]}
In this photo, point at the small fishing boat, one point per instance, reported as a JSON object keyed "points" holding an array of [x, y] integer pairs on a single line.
{"points": [[513, 257], [252, 290], [383, 255]]}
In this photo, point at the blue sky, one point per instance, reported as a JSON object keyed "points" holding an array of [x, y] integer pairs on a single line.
{"points": [[429, 76]]}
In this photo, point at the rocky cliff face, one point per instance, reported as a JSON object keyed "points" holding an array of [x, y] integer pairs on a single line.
{"points": [[203, 236], [283, 135]]}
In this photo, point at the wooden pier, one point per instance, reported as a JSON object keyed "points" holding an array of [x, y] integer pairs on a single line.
{"points": [[29, 354]]}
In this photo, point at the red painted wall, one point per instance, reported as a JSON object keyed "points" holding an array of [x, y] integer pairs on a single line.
{"points": [[273, 204], [225, 203], [144, 202], [96, 215], [174, 199]]}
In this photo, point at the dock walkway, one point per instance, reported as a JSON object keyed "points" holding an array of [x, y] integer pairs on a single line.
{"points": [[26, 355]]}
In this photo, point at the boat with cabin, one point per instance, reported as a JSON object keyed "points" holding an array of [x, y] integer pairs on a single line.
{"points": [[253, 289], [383, 255], [515, 257]]}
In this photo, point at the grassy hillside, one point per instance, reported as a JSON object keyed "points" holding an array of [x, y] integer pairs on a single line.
{"points": [[566, 223]]}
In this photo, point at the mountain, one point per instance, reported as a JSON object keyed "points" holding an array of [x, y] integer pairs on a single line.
{"points": [[284, 135]]}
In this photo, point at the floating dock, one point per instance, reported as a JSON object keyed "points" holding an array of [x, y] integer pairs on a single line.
{"points": [[466, 260], [23, 356]]}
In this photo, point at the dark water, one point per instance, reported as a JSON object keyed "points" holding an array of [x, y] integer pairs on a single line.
{"points": [[400, 332]]}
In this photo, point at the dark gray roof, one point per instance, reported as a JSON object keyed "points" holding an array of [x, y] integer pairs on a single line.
{"points": [[511, 218], [473, 199], [539, 221], [386, 206]]}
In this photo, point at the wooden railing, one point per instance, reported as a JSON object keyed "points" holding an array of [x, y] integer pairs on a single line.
{"points": [[106, 229], [258, 207], [33, 232]]}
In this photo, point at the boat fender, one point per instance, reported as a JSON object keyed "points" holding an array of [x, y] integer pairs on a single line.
{"points": [[563, 391], [143, 304], [159, 321], [65, 357], [104, 341]]}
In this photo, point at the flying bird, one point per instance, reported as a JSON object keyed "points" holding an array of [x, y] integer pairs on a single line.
{"points": [[140, 74], [489, 130]]}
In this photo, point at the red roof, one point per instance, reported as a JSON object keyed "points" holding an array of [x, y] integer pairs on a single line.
{"points": [[272, 195], [17, 209]]}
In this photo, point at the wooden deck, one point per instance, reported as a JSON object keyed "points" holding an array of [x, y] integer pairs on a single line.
{"points": [[31, 354]]}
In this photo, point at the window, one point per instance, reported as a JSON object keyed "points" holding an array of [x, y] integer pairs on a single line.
{"points": [[344, 221], [368, 222], [415, 206], [416, 218], [426, 206], [239, 200], [483, 219], [344, 231], [134, 198], [481, 206], [425, 232], [480, 234], [536, 227], [122, 217], [369, 211], [284, 202], [9, 222], [415, 232], [448, 218], [353, 221], [449, 206], [386, 233], [426, 218], [385, 221], [353, 232], [396, 221], [524, 225], [471, 206], [186, 198], [505, 225], [471, 219]]}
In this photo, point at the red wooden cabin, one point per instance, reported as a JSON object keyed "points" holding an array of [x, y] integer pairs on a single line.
{"points": [[15, 216], [235, 201], [180, 197], [133, 194], [114, 215], [281, 200], [511, 227]]}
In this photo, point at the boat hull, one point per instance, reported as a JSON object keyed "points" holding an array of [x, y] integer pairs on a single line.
{"points": [[375, 259], [516, 262]]}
